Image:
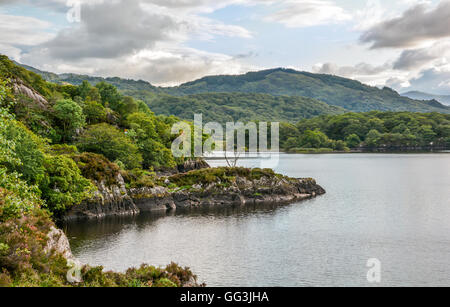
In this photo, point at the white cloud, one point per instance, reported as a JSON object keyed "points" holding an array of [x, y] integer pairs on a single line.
{"points": [[307, 13], [23, 31]]}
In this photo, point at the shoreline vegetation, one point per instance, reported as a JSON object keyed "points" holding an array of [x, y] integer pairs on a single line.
{"points": [[90, 151]]}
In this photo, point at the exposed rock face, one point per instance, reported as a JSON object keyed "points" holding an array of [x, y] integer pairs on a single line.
{"points": [[244, 191], [21, 89], [58, 243], [108, 201], [117, 200]]}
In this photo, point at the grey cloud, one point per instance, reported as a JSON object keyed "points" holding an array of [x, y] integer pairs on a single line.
{"points": [[350, 71], [414, 26], [109, 30], [416, 58]]}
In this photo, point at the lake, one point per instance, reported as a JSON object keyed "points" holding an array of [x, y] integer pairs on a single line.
{"points": [[392, 207]]}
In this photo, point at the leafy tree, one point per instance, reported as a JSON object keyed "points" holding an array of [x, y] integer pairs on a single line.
{"points": [[110, 95], [155, 154], [94, 112], [128, 106], [63, 185], [94, 95], [112, 143], [372, 138], [314, 139], [70, 117], [353, 141], [28, 149], [84, 89]]}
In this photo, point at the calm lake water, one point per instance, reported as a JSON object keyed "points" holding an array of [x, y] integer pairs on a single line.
{"points": [[393, 207]]}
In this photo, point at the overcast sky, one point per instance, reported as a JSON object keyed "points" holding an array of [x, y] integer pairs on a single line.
{"points": [[400, 43]]}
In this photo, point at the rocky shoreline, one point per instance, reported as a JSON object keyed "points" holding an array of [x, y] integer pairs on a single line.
{"points": [[240, 190]]}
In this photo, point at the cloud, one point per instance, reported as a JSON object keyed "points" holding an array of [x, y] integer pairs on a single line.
{"points": [[417, 58], [307, 13], [416, 25], [141, 39], [166, 64], [433, 80], [361, 69], [109, 30], [23, 31]]}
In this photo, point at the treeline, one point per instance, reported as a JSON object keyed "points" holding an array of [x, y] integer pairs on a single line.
{"points": [[373, 130], [232, 107]]}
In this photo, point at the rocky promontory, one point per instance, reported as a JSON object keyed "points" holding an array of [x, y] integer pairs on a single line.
{"points": [[205, 187]]}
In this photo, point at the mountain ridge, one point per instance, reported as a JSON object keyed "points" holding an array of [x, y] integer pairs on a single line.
{"points": [[351, 95]]}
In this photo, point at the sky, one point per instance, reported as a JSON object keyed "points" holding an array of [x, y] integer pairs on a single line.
{"points": [[403, 44]]}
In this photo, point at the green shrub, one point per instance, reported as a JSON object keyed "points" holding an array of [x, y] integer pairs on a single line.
{"points": [[97, 167], [112, 143], [63, 185]]}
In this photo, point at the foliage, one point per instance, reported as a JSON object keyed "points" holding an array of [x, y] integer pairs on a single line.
{"points": [[336, 91], [95, 112], [220, 174], [370, 130], [154, 153], [232, 107], [28, 148], [97, 167], [112, 143], [70, 116], [63, 185]]}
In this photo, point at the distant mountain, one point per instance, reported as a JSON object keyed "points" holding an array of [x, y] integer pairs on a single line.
{"points": [[76, 79], [348, 94], [425, 96]]}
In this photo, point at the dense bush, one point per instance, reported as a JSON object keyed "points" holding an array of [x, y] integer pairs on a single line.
{"points": [[97, 167], [63, 185], [112, 143]]}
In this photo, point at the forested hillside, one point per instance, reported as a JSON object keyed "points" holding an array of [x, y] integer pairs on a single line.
{"points": [[231, 107], [349, 94], [335, 91]]}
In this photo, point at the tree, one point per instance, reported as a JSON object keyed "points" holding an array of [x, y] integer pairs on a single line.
{"points": [[155, 154], [70, 117], [110, 95], [94, 112], [28, 149], [94, 95], [372, 138], [63, 185], [112, 143], [353, 141], [128, 106], [314, 139], [84, 89]]}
